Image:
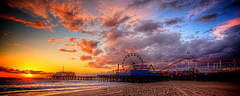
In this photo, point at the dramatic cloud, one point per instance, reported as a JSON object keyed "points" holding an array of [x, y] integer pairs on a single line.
{"points": [[84, 44], [34, 24], [147, 26], [72, 39], [35, 7], [226, 25], [96, 52], [139, 3], [93, 65], [232, 30], [88, 45], [173, 21], [69, 17], [151, 48], [113, 22], [175, 4], [162, 47], [231, 4], [207, 18], [89, 19], [201, 6], [85, 58], [64, 50]]}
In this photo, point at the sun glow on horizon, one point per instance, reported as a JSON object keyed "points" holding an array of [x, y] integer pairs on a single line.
{"points": [[27, 75]]}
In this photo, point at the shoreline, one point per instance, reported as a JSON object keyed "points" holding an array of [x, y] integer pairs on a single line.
{"points": [[175, 88]]}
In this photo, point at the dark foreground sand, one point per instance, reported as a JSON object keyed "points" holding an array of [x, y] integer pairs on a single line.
{"points": [[171, 88]]}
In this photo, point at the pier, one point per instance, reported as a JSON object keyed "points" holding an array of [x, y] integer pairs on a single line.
{"points": [[74, 77], [224, 76]]}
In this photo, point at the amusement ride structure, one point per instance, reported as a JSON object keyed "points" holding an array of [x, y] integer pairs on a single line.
{"points": [[178, 68]]}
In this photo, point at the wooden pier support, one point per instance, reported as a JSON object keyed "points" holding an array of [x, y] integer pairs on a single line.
{"points": [[74, 77]]}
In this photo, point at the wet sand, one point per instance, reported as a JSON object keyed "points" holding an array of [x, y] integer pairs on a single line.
{"points": [[171, 88]]}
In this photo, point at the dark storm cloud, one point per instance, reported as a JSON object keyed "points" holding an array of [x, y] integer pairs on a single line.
{"points": [[163, 47], [207, 18], [227, 5], [173, 21], [228, 47], [147, 26], [233, 30], [234, 3]]}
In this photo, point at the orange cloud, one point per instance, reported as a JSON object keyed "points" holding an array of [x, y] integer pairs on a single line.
{"points": [[94, 65], [64, 50], [53, 40], [32, 7], [73, 58], [59, 40], [68, 16], [72, 39], [14, 44], [85, 58], [34, 24], [220, 29], [88, 45], [90, 20], [87, 50], [97, 52], [67, 45], [7, 33]]}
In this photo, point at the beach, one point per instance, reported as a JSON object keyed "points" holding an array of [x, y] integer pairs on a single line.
{"points": [[170, 88]]}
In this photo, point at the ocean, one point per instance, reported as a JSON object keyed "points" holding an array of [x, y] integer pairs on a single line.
{"points": [[10, 86]]}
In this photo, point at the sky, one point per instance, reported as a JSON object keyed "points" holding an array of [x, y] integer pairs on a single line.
{"points": [[93, 36]]}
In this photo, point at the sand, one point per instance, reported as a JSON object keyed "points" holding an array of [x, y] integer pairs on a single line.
{"points": [[171, 88]]}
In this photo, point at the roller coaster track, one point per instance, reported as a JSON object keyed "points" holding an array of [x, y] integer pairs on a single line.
{"points": [[171, 64]]}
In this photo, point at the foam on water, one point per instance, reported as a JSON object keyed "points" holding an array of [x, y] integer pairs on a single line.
{"points": [[50, 87]]}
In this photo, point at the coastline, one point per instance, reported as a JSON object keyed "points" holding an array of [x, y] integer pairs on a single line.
{"points": [[173, 88]]}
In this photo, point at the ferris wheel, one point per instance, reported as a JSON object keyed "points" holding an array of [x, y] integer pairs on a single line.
{"points": [[137, 56]]}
